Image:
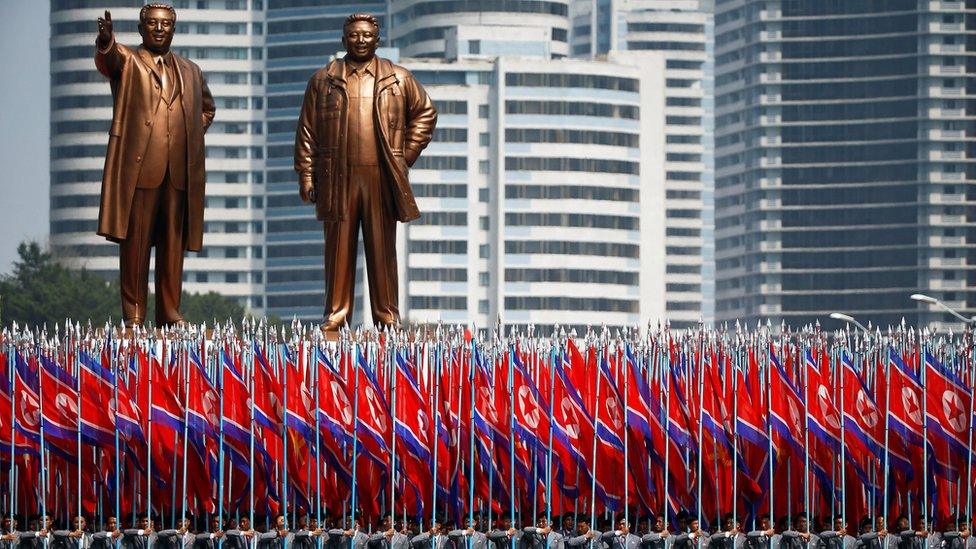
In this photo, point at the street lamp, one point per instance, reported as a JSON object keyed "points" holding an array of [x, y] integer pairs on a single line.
{"points": [[933, 301], [849, 318]]}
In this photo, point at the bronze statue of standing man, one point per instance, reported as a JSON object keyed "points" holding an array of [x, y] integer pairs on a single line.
{"points": [[154, 178], [363, 122]]}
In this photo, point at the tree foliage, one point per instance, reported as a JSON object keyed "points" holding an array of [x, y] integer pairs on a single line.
{"points": [[41, 291]]}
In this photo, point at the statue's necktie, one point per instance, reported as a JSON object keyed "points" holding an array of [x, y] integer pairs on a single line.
{"points": [[164, 80]]}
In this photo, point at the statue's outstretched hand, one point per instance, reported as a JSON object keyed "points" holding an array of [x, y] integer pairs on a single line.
{"points": [[105, 29]]}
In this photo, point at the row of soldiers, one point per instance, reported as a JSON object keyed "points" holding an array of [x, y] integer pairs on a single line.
{"points": [[568, 531]]}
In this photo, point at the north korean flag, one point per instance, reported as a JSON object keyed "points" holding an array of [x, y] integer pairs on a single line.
{"points": [[948, 402], [823, 419]]}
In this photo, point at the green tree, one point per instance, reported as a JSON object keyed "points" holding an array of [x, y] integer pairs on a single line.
{"points": [[41, 291]]}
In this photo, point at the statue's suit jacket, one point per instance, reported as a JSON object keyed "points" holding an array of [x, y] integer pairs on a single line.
{"points": [[136, 96]]}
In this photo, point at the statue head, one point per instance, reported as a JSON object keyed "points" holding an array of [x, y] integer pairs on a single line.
{"points": [[360, 36], [157, 24]]}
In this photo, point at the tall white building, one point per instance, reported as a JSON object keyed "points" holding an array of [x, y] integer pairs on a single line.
{"points": [[675, 30], [542, 200], [226, 39]]}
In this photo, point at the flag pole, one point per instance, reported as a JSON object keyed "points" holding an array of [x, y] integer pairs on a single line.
{"points": [[666, 393], [221, 356], [843, 445], [806, 436], [969, 445], [552, 395], [884, 500], [435, 377], [77, 364], [281, 346], [314, 355], [701, 406], [250, 450], [355, 437], [511, 428], [622, 362], [150, 352], [925, 433], [185, 363], [393, 396], [471, 478], [595, 436], [769, 423], [11, 360]]}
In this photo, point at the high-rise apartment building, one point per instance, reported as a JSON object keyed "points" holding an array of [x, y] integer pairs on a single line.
{"points": [[225, 38], [844, 147], [676, 30]]}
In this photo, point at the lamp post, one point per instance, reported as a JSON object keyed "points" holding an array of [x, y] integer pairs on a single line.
{"points": [[933, 301], [849, 318]]}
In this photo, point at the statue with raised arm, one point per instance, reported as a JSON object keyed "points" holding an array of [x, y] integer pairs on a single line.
{"points": [[154, 177], [364, 122]]}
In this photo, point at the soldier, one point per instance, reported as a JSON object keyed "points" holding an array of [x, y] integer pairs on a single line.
{"points": [[504, 535], [341, 538], [541, 535], [431, 539], [387, 537], [568, 528], [105, 539], [470, 537], [584, 535], [176, 538], [621, 538], [140, 537], [76, 538], [8, 532], [241, 537], [303, 537]]}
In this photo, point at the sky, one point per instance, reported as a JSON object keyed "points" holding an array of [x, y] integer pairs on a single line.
{"points": [[25, 93]]}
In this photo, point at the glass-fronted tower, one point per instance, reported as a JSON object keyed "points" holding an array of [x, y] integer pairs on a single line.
{"points": [[844, 174]]}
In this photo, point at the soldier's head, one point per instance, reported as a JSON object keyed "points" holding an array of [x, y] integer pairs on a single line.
{"points": [[764, 522], [643, 525], [8, 524], [245, 523], [360, 36], [865, 525], [727, 522], [800, 523], [682, 522], [582, 523], [143, 521], [111, 524], [659, 523], [569, 521], [838, 523], [279, 521], [78, 523], [157, 24], [879, 523], [214, 523], [386, 522]]}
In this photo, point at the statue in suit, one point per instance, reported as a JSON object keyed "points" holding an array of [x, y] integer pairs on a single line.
{"points": [[363, 123], [154, 176]]}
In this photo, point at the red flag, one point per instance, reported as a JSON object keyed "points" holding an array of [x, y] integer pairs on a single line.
{"points": [[947, 409]]}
